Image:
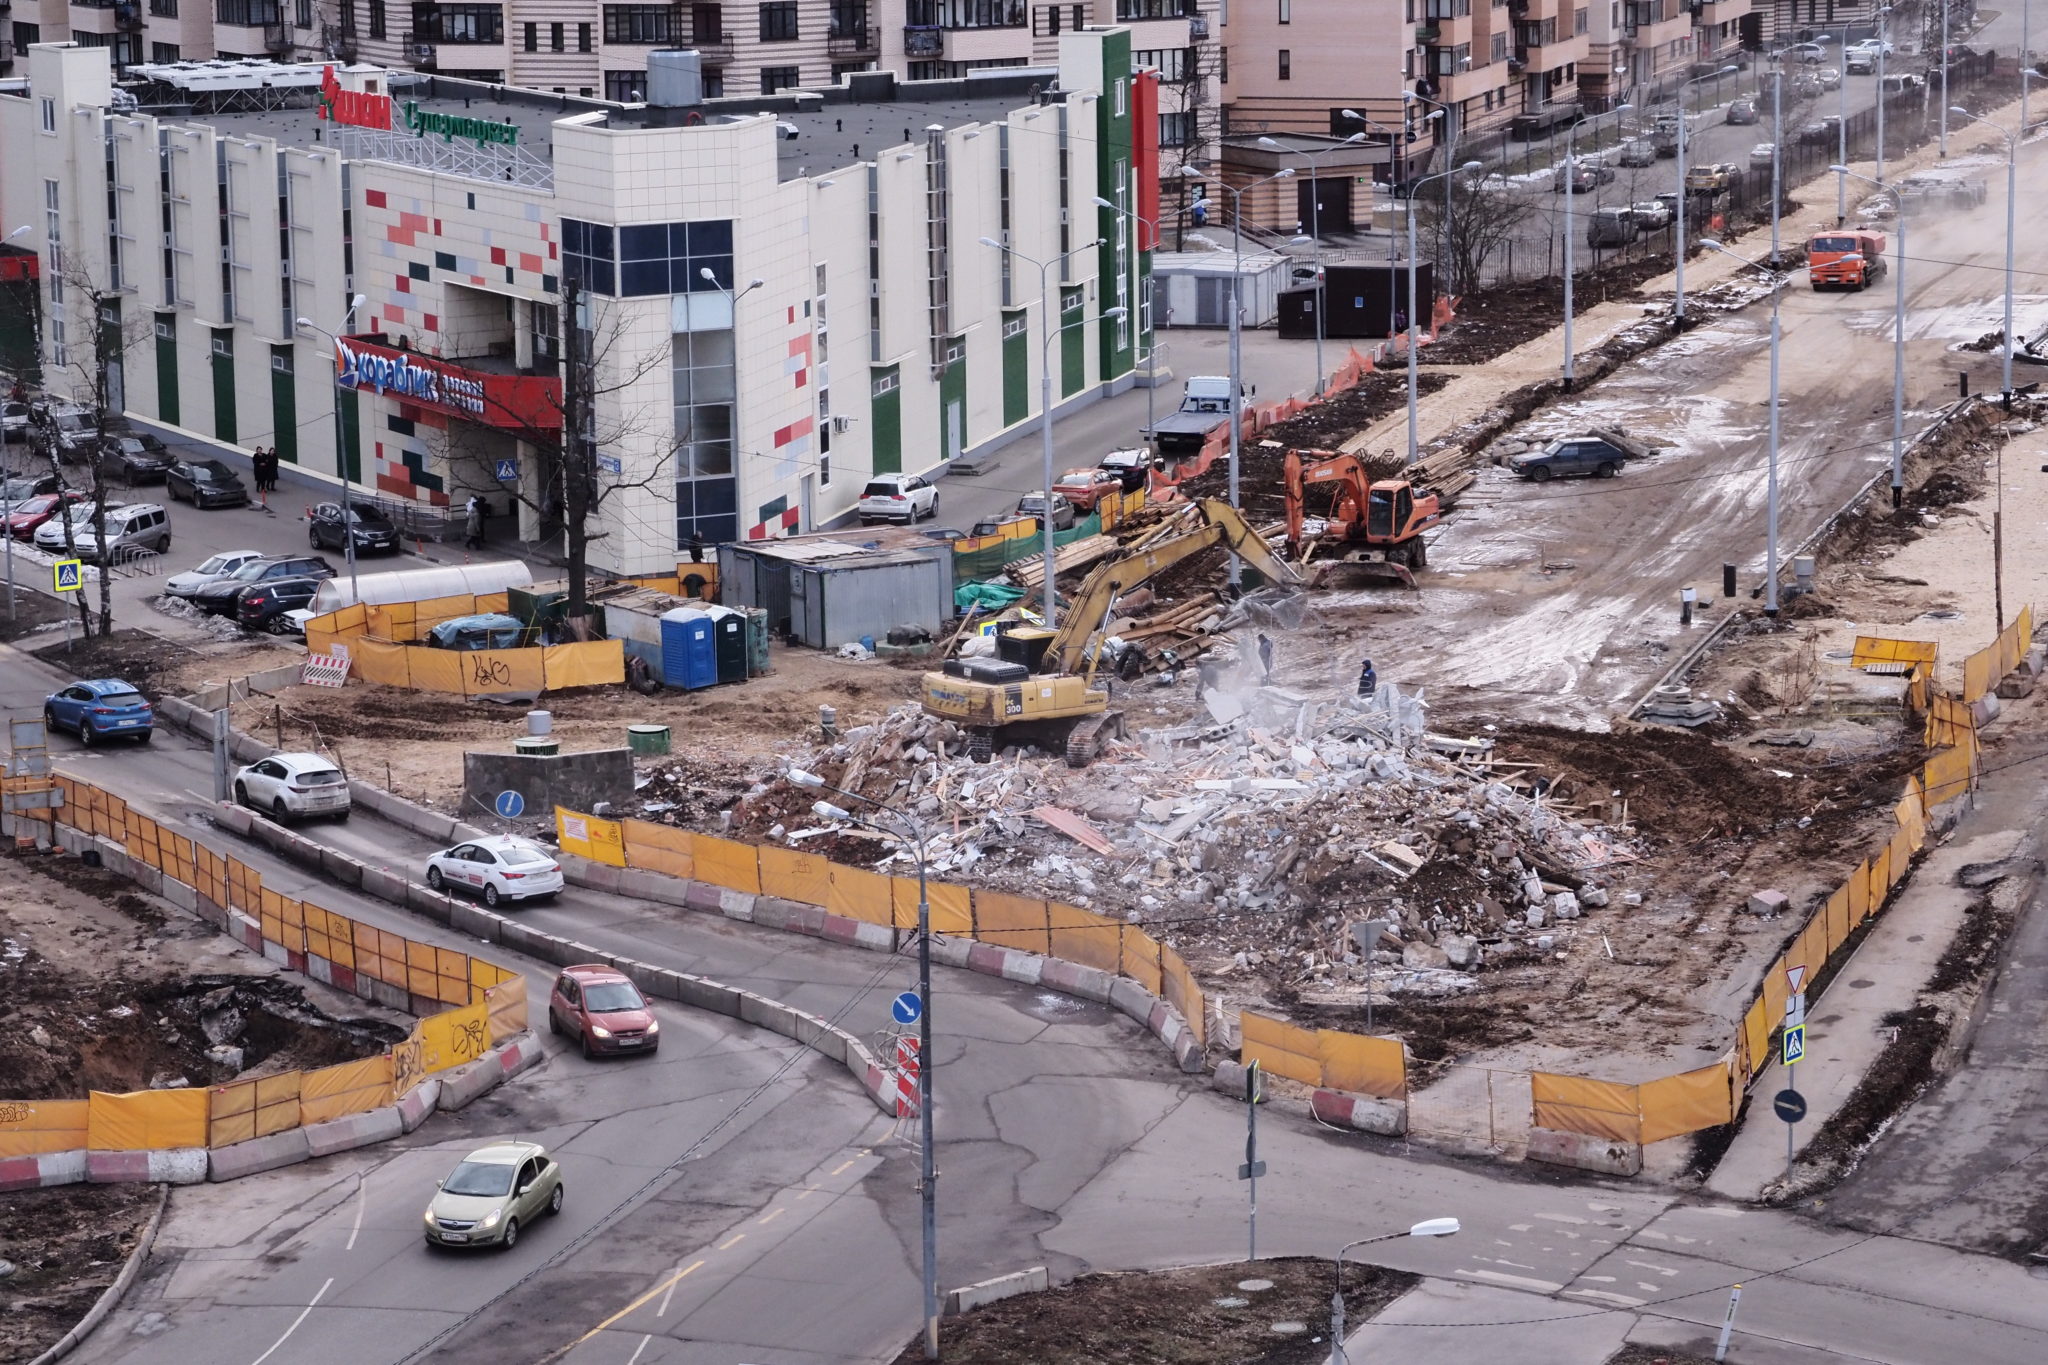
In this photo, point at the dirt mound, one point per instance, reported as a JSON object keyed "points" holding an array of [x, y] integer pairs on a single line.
{"points": [[67, 1245], [136, 657]]}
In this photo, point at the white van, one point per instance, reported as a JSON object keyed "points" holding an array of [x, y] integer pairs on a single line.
{"points": [[129, 526]]}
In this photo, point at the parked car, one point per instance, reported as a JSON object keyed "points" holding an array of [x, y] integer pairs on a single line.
{"points": [[1900, 83], [215, 568], [898, 497], [25, 516], [1742, 111], [373, 530], [1637, 152], [1584, 174], [99, 709], [1033, 505], [128, 527], [1611, 227], [603, 1010], [492, 1194], [220, 596], [288, 785], [18, 486], [1821, 132], [1860, 60], [1829, 77], [1653, 215], [207, 483], [946, 534], [500, 868], [74, 433], [268, 606], [1574, 456], [14, 420], [1086, 487], [492, 630], [1133, 466], [1812, 54], [1763, 154], [136, 457]]}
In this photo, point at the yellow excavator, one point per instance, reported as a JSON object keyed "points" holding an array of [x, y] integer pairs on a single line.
{"points": [[1041, 685]]}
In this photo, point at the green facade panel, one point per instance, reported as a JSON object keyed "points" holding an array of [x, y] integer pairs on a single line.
{"points": [[1016, 368], [224, 397], [885, 420], [167, 379]]}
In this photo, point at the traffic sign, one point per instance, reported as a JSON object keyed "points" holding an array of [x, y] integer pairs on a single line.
{"points": [[906, 1008], [1795, 979], [505, 471], [611, 464], [68, 574], [1789, 1105], [1795, 1010], [510, 805], [1250, 1170], [1795, 1044]]}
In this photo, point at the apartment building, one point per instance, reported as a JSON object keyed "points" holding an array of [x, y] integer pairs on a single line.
{"points": [[773, 318], [137, 31]]}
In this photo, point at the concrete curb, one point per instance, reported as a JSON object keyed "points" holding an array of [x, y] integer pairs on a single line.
{"points": [[113, 1293], [350, 1131], [266, 1153], [966, 1299], [36, 1172], [173, 1166]]}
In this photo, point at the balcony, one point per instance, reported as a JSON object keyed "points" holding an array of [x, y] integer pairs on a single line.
{"points": [[923, 42], [1198, 30], [1553, 53], [277, 39], [1715, 12], [416, 49], [713, 49], [857, 42], [128, 15]]}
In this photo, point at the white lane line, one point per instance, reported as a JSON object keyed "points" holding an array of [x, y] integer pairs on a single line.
{"points": [[634, 1358], [362, 1199], [303, 1313], [670, 1293]]}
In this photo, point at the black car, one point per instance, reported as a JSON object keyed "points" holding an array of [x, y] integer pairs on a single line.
{"points": [[206, 483], [16, 487], [136, 458], [222, 597], [261, 606], [373, 530]]}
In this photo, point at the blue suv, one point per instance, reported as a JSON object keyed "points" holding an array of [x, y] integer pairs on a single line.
{"points": [[103, 708]]}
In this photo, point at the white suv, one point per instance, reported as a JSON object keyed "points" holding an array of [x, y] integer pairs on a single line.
{"points": [[129, 526], [898, 497], [286, 785]]}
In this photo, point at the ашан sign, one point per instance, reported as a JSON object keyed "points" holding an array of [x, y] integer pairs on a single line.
{"points": [[359, 110]]}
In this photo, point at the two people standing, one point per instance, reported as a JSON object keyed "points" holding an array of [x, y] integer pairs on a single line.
{"points": [[263, 469]]}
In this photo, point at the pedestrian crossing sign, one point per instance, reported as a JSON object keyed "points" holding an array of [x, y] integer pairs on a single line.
{"points": [[69, 575], [1795, 1044]]}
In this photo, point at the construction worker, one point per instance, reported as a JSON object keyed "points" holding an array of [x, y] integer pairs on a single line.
{"points": [[1266, 658], [1368, 681]]}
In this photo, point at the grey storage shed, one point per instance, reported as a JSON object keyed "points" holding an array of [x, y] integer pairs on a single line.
{"points": [[826, 590]]}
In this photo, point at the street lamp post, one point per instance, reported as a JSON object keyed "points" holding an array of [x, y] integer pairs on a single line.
{"points": [[1315, 227], [1884, 15], [1771, 532], [1447, 124], [1053, 328], [348, 539], [1236, 332], [1137, 277], [1678, 312], [1406, 139], [1571, 173], [1413, 380], [1898, 332], [912, 832], [1433, 1227]]}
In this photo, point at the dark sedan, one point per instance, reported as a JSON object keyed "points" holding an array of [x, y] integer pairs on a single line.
{"points": [[262, 606], [222, 597], [374, 532], [206, 483], [138, 458]]}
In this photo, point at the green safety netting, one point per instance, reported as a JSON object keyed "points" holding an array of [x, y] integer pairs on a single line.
{"points": [[985, 596], [987, 561]]}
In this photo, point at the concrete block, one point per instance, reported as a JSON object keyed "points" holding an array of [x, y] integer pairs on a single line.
{"points": [[468, 1082], [337, 866], [426, 901], [1074, 979], [838, 929], [353, 1130], [737, 905], [146, 877], [35, 1172], [1985, 709], [651, 886], [600, 877], [1584, 1152], [523, 938], [585, 953], [177, 1166], [114, 857], [1366, 1114], [179, 894], [762, 1012], [1767, 903], [244, 747], [206, 909], [952, 952], [476, 921], [1187, 1053], [233, 818], [2016, 684], [806, 919], [257, 1154], [1027, 968], [819, 1036], [385, 993], [970, 1297], [987, 959], [1228, 1079], [702, 896], [176, 711], [772, 912], [565, 952], [417, 1104], [701, 993], [880, 938], [522, 1053], [386, 885], [1129, 998]]}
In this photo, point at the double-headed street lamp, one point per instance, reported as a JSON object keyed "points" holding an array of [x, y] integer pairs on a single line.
{"points": [[1414, 195], [1406, 139], [1684, 194], [1236, 194], [1053, 328], [1315, 226], [1771, 533], [348, 539], [1434, 1227], [1899, 329], [911, 832], [1571, 173]]}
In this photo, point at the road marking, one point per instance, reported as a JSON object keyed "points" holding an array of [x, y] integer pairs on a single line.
{"points": [[805, 1194], [841, 1166], [1511, 1281], [775, 1214], [634, 1358], [733, 1241], [303, 1312], [667, 1284], [661, 1311], [362, 1198]]}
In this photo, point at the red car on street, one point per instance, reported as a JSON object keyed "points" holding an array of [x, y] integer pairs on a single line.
{"points": [[24, 516], [1086, 487], [603, 1010]]}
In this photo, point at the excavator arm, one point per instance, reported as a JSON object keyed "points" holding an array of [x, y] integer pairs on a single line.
{"points": [[1091, 605], [1322, 467]]}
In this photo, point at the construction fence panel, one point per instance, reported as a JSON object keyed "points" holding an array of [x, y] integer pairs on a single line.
{"points": [[453, 1037], [277, 1102], [1900, 856], [331, 936], [1178, 989], [33, 1127], [1140, 960], [380, 955], [1012, 922], [342, 627], [586, 836], [1836, 913], [408, 1064], [349, 1088], [1946, 774], [1875, 649], [379, 661], [1282, 1048], [1775, 989], [659, 848], [1810, 950], [505, 1008], [438, 670], [1949, 720], [727, 863], [1361, 1064], [489, 671], [145, 1121], [1913, 818], [587, 663], [245, 888], [1689, 1101], [859, 894], [1576, 1104], [1756, 1037], [794, 876], [212, 874], [1089, 939], [283, 920], [231, 1114], [145, 841], [951, 907]]}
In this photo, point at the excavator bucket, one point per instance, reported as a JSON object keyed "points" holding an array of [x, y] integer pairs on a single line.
{"points": [[1361, 573]]}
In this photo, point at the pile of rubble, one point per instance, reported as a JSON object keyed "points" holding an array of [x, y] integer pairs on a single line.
{"points": [[1253, 839]]}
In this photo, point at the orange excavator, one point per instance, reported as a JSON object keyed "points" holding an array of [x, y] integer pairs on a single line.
{"points": [[1373, 527]]}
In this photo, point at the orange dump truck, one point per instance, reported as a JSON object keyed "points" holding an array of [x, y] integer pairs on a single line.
{"points": [[1845, 259]]}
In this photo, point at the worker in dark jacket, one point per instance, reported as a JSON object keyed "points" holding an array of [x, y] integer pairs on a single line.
{"points": [[1368, 681]]}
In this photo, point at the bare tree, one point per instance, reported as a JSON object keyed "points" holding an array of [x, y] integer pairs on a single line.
{"points": [[574, 475], [1191, 112], [1481, 221]]}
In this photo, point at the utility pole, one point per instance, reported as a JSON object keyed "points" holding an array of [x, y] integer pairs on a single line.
{"points": [[1252, 1168]]}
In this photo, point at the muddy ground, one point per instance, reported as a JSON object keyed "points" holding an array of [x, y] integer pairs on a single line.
{"points": [[67, 1245], [1203, 1316]]}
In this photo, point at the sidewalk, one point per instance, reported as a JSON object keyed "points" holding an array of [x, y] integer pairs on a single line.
{"points": [[1845, 1035]]}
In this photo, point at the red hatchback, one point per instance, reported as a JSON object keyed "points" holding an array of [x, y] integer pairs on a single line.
{"points": [[602, 1009], [25, 516]]}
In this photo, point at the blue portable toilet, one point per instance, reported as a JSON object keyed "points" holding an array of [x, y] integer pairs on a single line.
{"points": [[689, 648]]}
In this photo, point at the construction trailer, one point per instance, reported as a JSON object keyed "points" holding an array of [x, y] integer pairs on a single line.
{"points": [[839, 587]]}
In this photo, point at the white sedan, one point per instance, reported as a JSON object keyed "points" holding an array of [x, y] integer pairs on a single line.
{"points": [[216, 568], [287, 785], [500, 868]]}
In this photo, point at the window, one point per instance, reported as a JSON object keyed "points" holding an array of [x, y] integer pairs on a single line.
{"points": [[49, 112], [583, 40], [167, 9], [886, 381], [1286, 11], [163, 52], [707, 494], [1286, 65], [1172, 63], [640, 24], [588, 255], [962, 14], [1579, 21], [671, 258], [554, 37], [472, 24], [531, 38], [302, 14], [1500, 51], [778, 21], [1177, 129], [625, 87], [775, 78], [248, 13], [377, 18], [849, 19]]}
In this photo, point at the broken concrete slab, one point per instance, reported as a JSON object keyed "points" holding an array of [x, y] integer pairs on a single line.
{"points": [[1767, 903]]}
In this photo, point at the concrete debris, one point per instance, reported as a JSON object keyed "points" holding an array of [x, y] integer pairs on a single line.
{"points": [[1767, 903], [1674, 704]]}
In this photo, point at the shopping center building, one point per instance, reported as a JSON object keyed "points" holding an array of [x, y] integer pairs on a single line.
{"points": [[777, 301]]}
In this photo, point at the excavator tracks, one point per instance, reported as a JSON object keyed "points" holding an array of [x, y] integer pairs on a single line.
{"points": [[1085, 740]]}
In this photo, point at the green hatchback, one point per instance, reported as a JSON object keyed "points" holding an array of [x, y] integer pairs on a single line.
{"points": [[492, 1194]]}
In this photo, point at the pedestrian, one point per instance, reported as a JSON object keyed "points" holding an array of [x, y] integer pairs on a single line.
{"points": [[696, 547], [473, 518], [1368, 681], [1400, 321], [1266, 658]]}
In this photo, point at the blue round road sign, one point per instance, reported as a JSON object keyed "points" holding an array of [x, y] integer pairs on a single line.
{"points": [[1789, 1105], [906, 1008], [510, 805]]}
